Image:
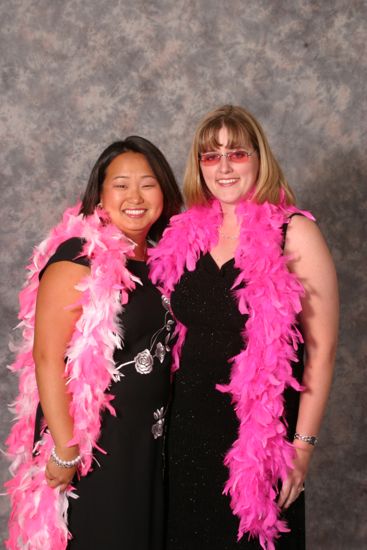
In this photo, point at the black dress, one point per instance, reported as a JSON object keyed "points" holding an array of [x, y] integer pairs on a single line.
{"points": [[203, 424], [121, 502]]}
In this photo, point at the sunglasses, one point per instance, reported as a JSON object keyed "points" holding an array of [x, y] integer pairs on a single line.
{"points": [[210, 159]]}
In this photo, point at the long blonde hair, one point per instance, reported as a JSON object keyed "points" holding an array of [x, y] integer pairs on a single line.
{"points": [[243, 129]]}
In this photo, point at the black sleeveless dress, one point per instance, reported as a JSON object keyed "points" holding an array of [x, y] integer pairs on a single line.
{"points": [[121, 502], [203, 424]]}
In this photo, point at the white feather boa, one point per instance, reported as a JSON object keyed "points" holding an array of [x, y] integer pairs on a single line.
{"points": [[38, 518]]}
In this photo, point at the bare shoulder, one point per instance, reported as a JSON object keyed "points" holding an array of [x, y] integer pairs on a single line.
{"points": [[303, 234], [57, 308], [309, 255], [59, 281], [64, 272], [310, 260]]}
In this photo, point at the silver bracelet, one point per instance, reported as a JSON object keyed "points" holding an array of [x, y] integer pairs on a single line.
{"points": [[311, 439], [65, 463]]}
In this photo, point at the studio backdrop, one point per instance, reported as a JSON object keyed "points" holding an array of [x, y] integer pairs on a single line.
{"points": [[78, 75]]}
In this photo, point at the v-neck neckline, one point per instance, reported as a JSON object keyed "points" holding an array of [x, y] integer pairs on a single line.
{"points": [[219, 268]]}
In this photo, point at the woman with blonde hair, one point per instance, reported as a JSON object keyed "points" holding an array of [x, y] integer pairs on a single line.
{"points": [[253, 289]]}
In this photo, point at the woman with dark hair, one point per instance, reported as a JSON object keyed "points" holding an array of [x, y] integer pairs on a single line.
{"points": [[88, 444], [250, 279], [159, 165]]}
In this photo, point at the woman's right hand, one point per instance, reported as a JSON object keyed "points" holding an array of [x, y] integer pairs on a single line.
{"points": [[56, 476]]}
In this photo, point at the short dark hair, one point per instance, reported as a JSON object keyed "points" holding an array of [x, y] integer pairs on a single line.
{"points": [[172, 198]]}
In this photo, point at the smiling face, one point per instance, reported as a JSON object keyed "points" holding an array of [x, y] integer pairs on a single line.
{"points": [[227, 181], [132, 195]]}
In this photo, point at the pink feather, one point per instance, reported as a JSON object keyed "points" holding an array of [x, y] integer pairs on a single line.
{"points": [[261, 456], [38, 517]]}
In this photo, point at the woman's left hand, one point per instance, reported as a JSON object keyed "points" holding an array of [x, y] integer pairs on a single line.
{"points": [[294, 484]]}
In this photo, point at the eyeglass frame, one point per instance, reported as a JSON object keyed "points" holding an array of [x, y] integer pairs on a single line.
{"points": [[226, 155]]}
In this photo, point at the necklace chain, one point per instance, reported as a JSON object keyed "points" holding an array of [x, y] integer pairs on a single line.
{"points": [[233, 237]]}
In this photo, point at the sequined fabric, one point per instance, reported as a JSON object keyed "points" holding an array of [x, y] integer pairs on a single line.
{"points": [[203, 423]]}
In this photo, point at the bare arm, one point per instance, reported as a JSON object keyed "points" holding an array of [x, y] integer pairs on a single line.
{"points": [[54, 326], [313, 265]]}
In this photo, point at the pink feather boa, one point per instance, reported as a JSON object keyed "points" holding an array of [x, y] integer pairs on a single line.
{"points": [[39, 514], [261, 456]]}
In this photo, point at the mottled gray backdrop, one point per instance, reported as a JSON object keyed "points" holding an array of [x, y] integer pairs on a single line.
{"points": [[77, 75]]}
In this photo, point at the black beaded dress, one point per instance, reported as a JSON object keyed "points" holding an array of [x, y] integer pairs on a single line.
{"points": [[121, 502], [203, 424]]}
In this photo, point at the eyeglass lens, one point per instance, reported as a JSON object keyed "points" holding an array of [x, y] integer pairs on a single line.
{"points": [[232, 156]]}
